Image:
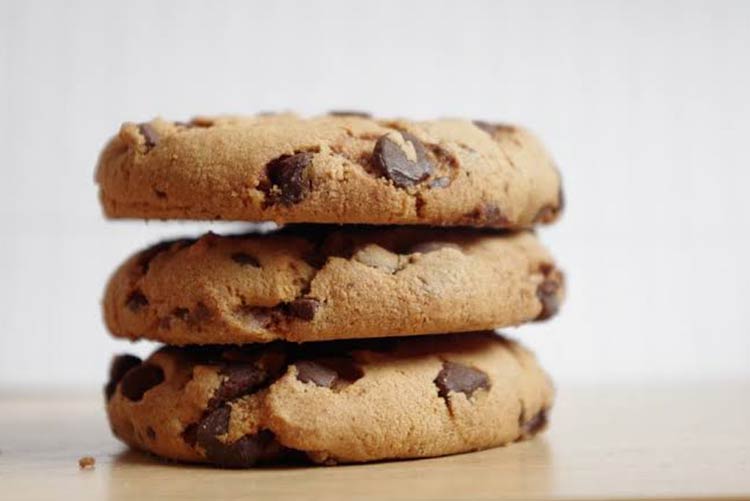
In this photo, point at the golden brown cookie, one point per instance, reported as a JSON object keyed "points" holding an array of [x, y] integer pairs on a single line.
{"points": [[308, 283], [342, 168], [334, 402]]}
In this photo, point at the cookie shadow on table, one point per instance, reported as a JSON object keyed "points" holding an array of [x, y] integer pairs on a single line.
{"points": [[134, 457], [521, 468], [536, 451]]}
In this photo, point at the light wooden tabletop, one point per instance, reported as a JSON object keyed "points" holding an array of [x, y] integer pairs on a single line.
{"points": [[617, 442]]}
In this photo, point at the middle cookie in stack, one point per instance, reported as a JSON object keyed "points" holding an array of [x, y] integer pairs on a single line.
{"points": [[242, 390]]}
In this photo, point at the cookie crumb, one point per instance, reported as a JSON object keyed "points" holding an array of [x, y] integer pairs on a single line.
{"points": [[86, 463]]}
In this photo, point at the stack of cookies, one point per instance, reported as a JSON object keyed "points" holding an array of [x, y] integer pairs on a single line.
{"points": [[359, 330]]}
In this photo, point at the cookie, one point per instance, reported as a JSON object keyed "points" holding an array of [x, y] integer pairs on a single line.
{"points": [[327, 403], [341, 168], [316, 282]]}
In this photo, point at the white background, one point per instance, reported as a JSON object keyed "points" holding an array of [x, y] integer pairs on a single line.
{"points": [[645, 106]]}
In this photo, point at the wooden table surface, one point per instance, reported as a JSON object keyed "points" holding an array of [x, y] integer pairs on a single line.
{"points": [[606, 442]]}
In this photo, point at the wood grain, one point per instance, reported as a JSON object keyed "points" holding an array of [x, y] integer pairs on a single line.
{"points": [[613, 442]]}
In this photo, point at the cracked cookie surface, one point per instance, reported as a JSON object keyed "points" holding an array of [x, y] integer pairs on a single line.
{"points": [[340, 168], [311, 282], [331, 402]]}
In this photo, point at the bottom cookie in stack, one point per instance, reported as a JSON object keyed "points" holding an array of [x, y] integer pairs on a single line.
{"points": [[329, 402]]}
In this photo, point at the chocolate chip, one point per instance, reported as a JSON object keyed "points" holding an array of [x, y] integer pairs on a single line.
{"points": [[425, 247], [487, 214], [136, 300], [249, 450], [460, 378], [201, 122], [546, 292], [493, 128], [150, 433], [333, 372], [304, 308], [181, 313], [139, 380], [349, 113], [286, 173], [200, 314], [549, 213], [245, 259], [546, 214], [149, 135], [120, 365], [401, 158], [534, 425]]}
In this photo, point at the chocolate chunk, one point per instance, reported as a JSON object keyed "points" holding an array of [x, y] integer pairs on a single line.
{"points": [[258, 317], [401, 157], [313, 372], [245, 259], [287, 174], [333, 372], [304, 308], [249, 450], [260, 448], [546, 292], [460, 378], [190, 434], [120, 365], [214, 424], [440, 182], [149, 135], [425, 247], [139, 380], [315, 259], [534, 425], [485, 126], [150, 433], [349, 113], [239, 380], [136, 300]]}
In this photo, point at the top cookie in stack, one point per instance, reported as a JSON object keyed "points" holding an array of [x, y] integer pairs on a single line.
{"points": [[332, 169], [410, 229]]}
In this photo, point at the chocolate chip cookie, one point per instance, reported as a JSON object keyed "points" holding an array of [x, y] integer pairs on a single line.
{"points": [[340, 168], [334, 402], [316, 282]]}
